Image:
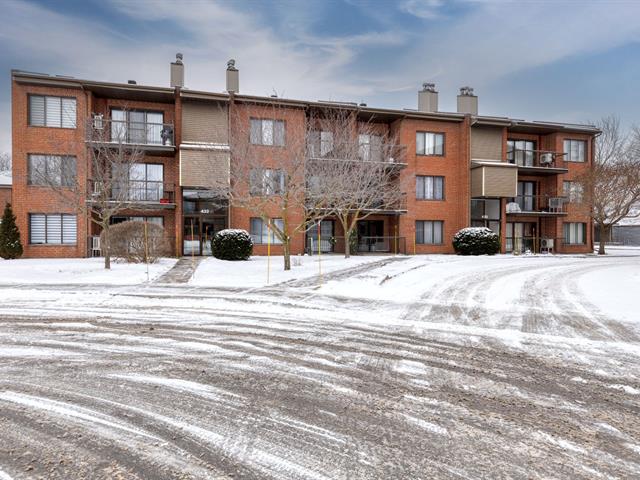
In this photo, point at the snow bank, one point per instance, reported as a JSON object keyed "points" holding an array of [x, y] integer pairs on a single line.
{"points": [[83, 271]]}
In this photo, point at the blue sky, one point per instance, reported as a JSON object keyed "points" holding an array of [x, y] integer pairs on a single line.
{"points": [[562, 60]]}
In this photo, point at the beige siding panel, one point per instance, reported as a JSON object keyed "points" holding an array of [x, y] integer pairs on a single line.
{"points": [[205, 122], [204, 168], [498, 181], [476, 182], [486, 143]]}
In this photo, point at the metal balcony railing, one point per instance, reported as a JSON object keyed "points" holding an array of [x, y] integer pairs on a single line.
{"points": [[542, 204], [353, 151], [333, 244], [536, 158], [105, 130], [136, 191]]}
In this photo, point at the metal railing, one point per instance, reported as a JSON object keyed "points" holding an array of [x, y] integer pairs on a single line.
{"points": [[536, 158], [536, 204], [141, 191], [392, 154], [539, 244], [106, 130], [374, 244]]}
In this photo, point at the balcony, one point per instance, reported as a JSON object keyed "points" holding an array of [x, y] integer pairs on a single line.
{"points": [[536, 205], [381, 207], [387, 154], [538, 162], [151, 137], [137, 194]]}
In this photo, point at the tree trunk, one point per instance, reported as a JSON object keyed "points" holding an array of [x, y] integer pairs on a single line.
{"points": [[347, 244], [286, 248], [106, 248], [604, 233]]}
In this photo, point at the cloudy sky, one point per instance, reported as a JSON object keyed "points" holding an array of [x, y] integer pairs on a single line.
{"points": [[558, 60]]}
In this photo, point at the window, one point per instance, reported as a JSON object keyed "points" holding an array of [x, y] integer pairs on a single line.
{"points": [[485, 212], [139, 127], [52, 170], [143, 182], [526, 198], [266, 181], [370, 147], [261, 234], [429, 188], [58, 112], [521, 152], [429, 143], [52, 229], [429, 232], [575, 233], [267, 132], [574, 150], [573, 191]]}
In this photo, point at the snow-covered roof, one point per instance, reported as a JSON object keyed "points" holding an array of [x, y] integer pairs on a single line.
{"points": [[632, 220], [5, 178]]}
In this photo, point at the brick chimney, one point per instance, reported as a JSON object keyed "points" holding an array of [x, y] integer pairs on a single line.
{"points": [[233, 77], [428, 98], [467, 101], [177, 72]]}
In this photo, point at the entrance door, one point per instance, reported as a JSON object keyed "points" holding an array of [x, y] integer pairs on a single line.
{"points": [[371, 236], [210, 226], [327, 239], [191, 236], [521, 237]]}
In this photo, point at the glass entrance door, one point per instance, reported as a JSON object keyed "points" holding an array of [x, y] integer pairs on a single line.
{"points": [[191, 236]]}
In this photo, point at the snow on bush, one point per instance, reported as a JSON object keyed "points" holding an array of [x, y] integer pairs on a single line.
{"points": [[476, 241], [232, 244]]}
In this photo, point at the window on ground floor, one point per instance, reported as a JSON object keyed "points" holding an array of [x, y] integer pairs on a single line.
{"points": [[52, 228], [575, 233], [429, 232], [262, 234]]}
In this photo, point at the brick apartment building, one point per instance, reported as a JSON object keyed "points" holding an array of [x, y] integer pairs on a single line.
{"points": [[463, 169]]}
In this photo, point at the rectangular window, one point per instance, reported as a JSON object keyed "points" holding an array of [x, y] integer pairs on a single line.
{"points": [[267, 132], [429, 188], [143, 182], [521, 152], [48, 111], [429, 232], [573, 191], [262, 234], [370, 147], [52, 229], [140, 127], [428, 143], [51, 170], [575, 233], [267, 181], [575, 150]]}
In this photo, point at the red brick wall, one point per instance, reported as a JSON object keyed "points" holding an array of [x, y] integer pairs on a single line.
{"points": [[5, 196]]}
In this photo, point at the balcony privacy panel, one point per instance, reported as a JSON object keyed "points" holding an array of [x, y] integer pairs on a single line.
{"points": [[204, 168], [205, 122], [486, 143], [494, 181]]}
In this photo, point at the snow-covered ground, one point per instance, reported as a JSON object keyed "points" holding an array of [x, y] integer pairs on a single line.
{"points": [[80, 271], [406, 368], [262, 271]]}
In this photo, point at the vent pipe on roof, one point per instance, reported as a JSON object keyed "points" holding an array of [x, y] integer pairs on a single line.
{"points": [[428, 98], [177, 72], [467, 101], [132, 82], [233, 77]]}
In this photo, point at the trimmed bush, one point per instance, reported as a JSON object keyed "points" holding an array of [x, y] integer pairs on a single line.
{"points": [[476, 241], [127, 241], [10, 246], [232, 244]]}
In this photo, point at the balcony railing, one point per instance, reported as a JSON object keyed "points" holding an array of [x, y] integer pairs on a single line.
{"points": [[333, 244], [385, 153], [381, 206], [536, 158], [536, 204], [136, 192], [105, 130]]}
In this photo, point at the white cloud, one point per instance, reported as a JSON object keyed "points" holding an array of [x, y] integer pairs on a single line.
{"points": [[427, 9]]}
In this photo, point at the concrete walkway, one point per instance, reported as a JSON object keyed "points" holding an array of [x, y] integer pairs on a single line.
{"points": [[181, 272]]}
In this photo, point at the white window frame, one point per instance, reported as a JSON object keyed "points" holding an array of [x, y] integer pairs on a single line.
{"points": [[65, 222], [573, 147]]}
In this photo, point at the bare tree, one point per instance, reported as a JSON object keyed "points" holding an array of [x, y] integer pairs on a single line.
{"points": [[268, 168], [353, 169], [612, 185], [114, 181], [5, 162]]}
